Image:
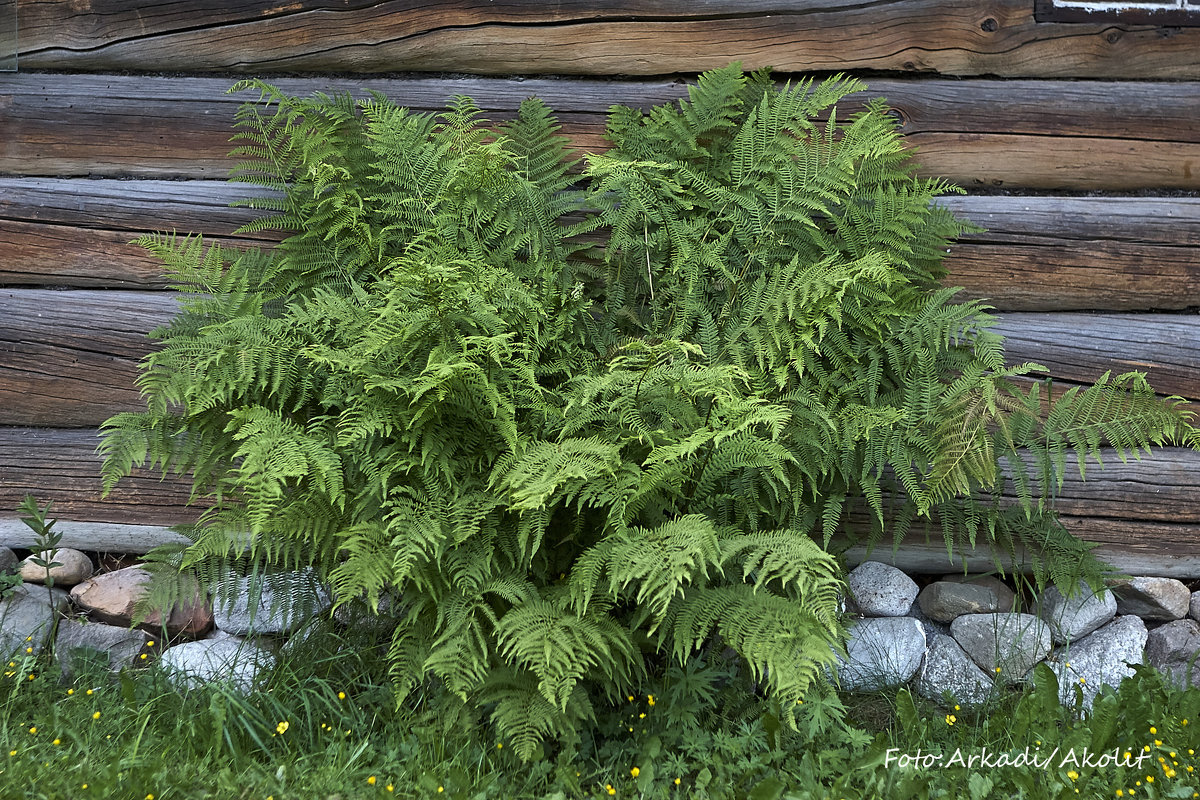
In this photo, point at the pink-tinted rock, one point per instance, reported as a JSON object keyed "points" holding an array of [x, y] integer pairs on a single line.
{"points": [[112, 597]]}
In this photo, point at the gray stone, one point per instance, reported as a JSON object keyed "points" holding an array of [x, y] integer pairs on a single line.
{"points": [[945, 600], [932, 627], [1194, 606], [1153, 598], [1172, 649], [276, 603], [27, 618], [230, 660], [883, 651], [881, 590], [1102, 658], [73, 567], [1005, 597], [8, 561], [79, 640], [1011, 643], [1071, 618], [948, 669]]}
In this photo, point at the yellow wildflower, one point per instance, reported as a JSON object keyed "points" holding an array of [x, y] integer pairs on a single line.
{"points": [[635, 772]]}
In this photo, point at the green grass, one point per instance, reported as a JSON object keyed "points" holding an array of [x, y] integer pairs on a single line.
{"points": [[325, 726]]}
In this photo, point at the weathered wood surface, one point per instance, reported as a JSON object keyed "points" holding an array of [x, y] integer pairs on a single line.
{"points": [[1079, 253], [1045, 135], [78, 233], [1159, 550], [1081, 347], [1140, 508], [69, 358], [100, 537], [1039, 253], [63, 466], [647, 37]]}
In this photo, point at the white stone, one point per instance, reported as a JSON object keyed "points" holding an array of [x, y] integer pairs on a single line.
{"points": [[1012, 642], [73, 567], [226, 660], [883, 651], [1071, 618], [881, 590], [948, 669], [1102, 658]]}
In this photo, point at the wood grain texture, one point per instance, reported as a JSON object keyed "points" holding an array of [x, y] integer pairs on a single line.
{"points": [[98, 537], [69, 358], [633, 37], [1039, 253], [1079, 253], [1051, 135], [78, 233], [1082, 347], [1158, 550], [62, 465]]}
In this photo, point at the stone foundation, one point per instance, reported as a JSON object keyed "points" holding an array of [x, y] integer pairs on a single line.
{"points": [[961, 639]]}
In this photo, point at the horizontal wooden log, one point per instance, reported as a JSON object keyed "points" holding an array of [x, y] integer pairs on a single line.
{"points": [[1158, 550], [1082, 347], [1039, 253], [78, 233], [69, 358], [101, 537], [1079, 253], [1142, 508], [647, 37], [62, 465], [1101, 136]]}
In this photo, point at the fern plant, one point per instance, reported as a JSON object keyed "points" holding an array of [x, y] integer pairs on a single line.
{"points": [[566, 423]]}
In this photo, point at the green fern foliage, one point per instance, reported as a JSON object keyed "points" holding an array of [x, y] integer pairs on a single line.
{"points": [[565, 425]]}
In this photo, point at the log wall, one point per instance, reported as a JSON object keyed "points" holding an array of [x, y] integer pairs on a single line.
{"points": [[1077, 143]]}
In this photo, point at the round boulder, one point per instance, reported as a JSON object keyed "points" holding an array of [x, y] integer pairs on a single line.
{"points": [[881, 590], [73, 567]]}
